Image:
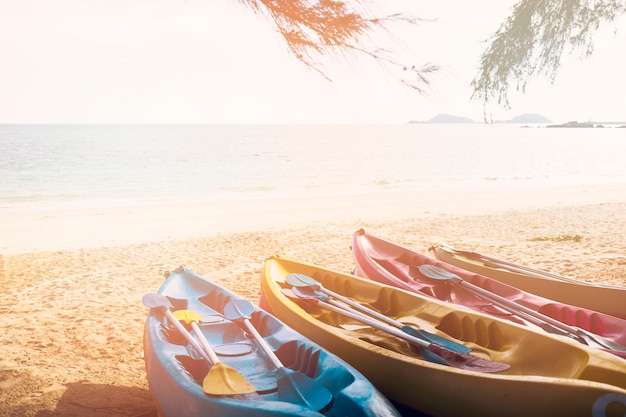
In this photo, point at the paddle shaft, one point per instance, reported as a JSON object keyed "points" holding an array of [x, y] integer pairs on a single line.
{"points": [[355, 305], [373, 323], [514, 307], [525, 271], [412, 331], [537, 273], [318, 291], [266, 348], [510, 265], [293, 386], [205, 343], [430, 351], [361, 308], [187, 336], [545, 326], [435, 272]]}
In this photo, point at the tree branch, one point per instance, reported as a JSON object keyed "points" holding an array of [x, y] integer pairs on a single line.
{"points": [[313, 29]]}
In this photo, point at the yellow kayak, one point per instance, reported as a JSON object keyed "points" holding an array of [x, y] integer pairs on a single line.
{"points": [[544, 375], [603, 298]]}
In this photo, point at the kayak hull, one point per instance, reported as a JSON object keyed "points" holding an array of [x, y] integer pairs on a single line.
{"points": [[605, 299], [386, 262], [548, 376], [176, 372]]}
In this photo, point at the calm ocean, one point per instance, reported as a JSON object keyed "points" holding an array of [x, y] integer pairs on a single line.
{"points": [[44, 166]]}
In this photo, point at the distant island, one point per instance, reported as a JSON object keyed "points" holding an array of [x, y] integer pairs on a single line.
{"points": [[573, 124], [523, 118], [588, 124], [526, 119], [448, 118]]}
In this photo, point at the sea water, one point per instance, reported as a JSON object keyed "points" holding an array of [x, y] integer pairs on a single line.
{"points": [[75, 166]]}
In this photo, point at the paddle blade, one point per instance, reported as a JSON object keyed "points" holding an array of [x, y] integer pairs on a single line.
{"points": [[297, 388], [224, 380], [436, 339], [468, 362], [602, 342], [436, 272], [299, 296], [238, 309], [301, 280], [156, 301], [305, 292], [187, 316]]}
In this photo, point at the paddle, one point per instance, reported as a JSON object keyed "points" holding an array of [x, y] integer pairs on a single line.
{"points": [[438, 273], [301, 293], [301, 280], [305, 291], [457, 360], [537, 273], [220, 380], [293, 386]]}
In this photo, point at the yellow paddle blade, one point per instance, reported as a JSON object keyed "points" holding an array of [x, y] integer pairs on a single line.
{"points": [[187, 316], [224, 380]]}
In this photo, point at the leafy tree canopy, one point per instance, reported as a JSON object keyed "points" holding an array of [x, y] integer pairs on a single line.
{"points": [[532, 42]]}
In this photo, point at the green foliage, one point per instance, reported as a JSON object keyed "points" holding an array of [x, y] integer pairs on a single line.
{"points": [[559, 238], [532, 41]]}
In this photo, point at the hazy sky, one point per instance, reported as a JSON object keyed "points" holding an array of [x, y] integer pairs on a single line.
{"points": [[214, 61]]}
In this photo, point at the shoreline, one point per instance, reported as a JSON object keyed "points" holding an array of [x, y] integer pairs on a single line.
{"points": [[72, 281], [30, 230]]}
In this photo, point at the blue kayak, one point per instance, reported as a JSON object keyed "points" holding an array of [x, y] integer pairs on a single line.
{"points": [[234, 359]]}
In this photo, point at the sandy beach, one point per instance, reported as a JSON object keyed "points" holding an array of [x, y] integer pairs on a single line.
{"points": [[71, 316]]}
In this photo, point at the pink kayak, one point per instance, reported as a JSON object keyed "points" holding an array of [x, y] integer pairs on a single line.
{"points": [[388, 263]]}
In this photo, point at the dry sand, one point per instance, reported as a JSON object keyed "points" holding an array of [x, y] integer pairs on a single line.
{"points": [[71, 317]]}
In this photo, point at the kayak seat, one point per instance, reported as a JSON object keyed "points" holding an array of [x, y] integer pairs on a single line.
{"points": [[496, 287], [173, 336], [386, 341], [393, 268], [196, 368], [585, 319], [462, 296], [215, 300], [234, 349], [297, 356], [389, 305], [307, 359], [483, 332], [551, 357]]}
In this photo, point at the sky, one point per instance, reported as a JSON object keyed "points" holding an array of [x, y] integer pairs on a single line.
{"points": [[214, 61]]}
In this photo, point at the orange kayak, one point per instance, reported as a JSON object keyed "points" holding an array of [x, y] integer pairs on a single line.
{"points": [[608, 299]]}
